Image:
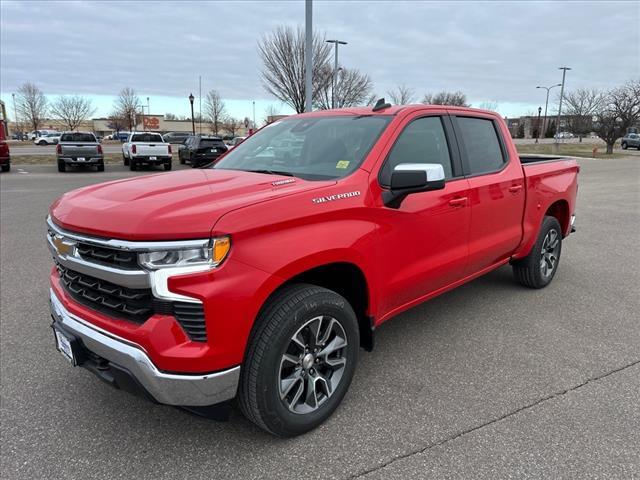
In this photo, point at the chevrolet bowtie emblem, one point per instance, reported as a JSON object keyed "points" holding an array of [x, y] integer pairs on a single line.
{"points": [[63, 246]]}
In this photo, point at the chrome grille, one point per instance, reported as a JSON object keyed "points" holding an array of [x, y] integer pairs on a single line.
{"points": [[117, 258]]}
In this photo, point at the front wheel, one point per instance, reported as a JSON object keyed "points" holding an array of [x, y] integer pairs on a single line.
{"points": [[624, 146], [300, 360], [537, 269]]}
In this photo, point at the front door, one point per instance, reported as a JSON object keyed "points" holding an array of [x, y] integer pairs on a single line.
{"points": [[423, 245]]}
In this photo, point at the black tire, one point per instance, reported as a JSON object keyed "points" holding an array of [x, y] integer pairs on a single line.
{"points": [[288, 311], [167, 166], [42, 143], [125, 160], [530, 271], [100, 167], [62, 167], [132, 165], [6, 167], [182, 161], [624, 145]]}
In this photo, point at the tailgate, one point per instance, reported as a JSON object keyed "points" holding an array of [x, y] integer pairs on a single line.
{"points": [[79, 150], [152, 149]]}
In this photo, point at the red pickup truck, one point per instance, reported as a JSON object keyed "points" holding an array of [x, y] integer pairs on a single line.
{"points": [[260, 277]]}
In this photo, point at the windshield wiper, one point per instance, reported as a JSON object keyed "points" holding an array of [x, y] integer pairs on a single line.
{"points": [[273, 172]]}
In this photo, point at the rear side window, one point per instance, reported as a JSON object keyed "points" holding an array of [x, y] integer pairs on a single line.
{"points": [[422, 141], [147, 138], [482, 145], [78, 137]]}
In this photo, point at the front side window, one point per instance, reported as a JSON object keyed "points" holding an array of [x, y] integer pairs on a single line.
{"points": [[422, 141], [316, 148], [482, 145]]}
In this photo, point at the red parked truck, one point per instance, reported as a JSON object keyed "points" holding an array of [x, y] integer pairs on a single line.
{"points": [[262, 276], [5, 156]]}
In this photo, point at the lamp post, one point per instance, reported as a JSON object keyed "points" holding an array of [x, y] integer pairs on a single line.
{"points": [[564, 74], [335, 70], [193, 123], [15, 113], [539, 112], [546, 104], [308, 53]]}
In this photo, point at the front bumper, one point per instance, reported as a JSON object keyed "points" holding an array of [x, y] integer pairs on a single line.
{"points": [[130, 360]]}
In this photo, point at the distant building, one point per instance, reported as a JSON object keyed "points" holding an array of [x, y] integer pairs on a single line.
{"points": [[531, 124]]}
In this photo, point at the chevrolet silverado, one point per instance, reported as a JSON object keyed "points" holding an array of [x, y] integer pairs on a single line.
{"points": [[261, 277]]}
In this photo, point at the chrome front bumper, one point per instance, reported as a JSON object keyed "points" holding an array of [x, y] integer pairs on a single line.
{"points": [[170, 389]]}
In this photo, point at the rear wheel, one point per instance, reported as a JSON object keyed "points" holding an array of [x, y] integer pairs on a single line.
{"points": [[62, 167], [125, 160], [624, 145], [167, 166], [132, 165], [100, 167], [537, 269], [6, 168], [300, 360], [42, 143]]}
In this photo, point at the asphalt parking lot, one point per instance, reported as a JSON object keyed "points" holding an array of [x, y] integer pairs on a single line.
{"points": [[488, 381]]}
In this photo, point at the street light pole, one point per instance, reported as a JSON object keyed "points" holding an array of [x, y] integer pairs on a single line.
{"points": [[254, 115], [546, 104], [539, 112], [193, 123], [564, 74], [335, 70], [15, 113], [308, 60]]}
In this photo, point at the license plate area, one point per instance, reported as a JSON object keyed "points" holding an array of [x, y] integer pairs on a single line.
{"points": [[152, 158], [64, 346], [81, 159]]}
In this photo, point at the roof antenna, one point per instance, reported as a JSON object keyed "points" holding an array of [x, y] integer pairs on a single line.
{"points": [[381, 105]]}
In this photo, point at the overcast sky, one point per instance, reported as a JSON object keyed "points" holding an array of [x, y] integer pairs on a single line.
{"points": [[496, 51]]}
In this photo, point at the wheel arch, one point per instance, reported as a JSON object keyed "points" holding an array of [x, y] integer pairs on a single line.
{"points": [[348, 280], [560, 211]]}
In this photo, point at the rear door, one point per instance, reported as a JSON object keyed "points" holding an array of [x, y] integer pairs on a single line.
{"points": [[496, 190], [424, 242]]}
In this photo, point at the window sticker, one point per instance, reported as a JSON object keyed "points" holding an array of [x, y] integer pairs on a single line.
{"points": [[342, 164]]}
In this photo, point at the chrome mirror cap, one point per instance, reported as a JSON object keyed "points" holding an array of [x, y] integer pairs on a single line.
{"points": [[434, 171]]}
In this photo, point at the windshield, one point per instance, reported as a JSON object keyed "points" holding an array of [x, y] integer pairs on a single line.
{"points": [[311, 148]]}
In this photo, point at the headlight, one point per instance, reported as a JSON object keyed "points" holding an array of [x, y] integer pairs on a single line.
{"points": [[211, 254]]}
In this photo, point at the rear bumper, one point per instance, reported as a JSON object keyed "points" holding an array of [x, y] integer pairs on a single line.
{"points": [[147, 159], [127, 366], [86, 161]]}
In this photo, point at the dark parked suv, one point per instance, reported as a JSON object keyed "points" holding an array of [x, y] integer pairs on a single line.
{"points": [[200, 150], [631, 140]]}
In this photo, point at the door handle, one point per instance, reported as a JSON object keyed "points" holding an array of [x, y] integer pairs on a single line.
{"points": [[515, 188], [458, 202]]}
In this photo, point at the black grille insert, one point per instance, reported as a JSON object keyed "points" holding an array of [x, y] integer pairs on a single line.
{"points": [[136, 305], [109, 256]]}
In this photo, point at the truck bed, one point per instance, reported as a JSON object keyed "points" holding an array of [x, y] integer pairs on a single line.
{"points": [[526, 159]]}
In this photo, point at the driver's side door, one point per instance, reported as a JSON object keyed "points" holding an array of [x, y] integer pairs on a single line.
{"points": [[424, 241]]}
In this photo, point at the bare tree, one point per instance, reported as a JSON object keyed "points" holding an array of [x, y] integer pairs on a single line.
{"points": [[116, 122], [490, 105], [619, 111], [270, 112], [402, 95], [31, 104], [352, 88], [233, 126], [581, 106], [283, 72], [214, 110], [72, 110], [128, 106], [458, 99]]}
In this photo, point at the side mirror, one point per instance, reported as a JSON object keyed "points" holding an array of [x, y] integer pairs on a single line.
{"points": [[408, 178]]}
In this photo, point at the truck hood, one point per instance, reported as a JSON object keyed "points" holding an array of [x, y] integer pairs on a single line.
{"points": [[169, 206]]}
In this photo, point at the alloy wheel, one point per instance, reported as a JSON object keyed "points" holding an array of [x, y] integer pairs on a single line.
{"points": [[549, 253], [313, 364]]}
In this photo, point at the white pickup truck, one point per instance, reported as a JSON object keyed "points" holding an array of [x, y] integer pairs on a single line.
{"points": [[146, 147]]}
